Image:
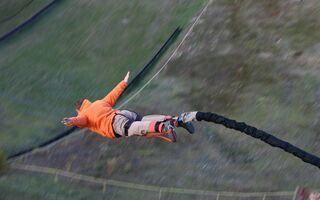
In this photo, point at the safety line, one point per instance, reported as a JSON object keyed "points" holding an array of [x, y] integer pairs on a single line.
{"points": [[152, 61], [152, 188], [169, 59]]}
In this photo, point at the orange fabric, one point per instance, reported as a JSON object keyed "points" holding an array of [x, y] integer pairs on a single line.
{"points": [[97, 116]]}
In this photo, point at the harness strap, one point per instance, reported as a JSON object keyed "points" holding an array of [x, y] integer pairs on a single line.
{"points": [[127, 126], [163, 136], [114, 132]]}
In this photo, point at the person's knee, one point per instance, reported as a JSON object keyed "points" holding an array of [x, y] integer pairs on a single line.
{"points": [[139, 128]]}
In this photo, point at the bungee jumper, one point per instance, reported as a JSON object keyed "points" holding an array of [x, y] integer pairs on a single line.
{"points": [[100, 117]]}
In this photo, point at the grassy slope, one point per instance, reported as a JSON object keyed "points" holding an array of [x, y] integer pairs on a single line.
{"points": [[22, 185], [78, 49], [255, 62], [15, 12]]}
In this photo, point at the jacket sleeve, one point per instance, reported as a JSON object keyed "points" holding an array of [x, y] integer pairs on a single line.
{"points": [[80, 121], [112, 97]]}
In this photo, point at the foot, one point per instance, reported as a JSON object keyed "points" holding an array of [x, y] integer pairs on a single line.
{"points": [[186, 125], [169, 130], [168, 127]]}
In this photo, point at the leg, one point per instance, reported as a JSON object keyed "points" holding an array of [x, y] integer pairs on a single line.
{"points": [[122, 120], [148, 123], [133, 116], [159, 118], [140, 128], [185, 119], [137, 128], [118, 124], [143, 127], [127, 123]]}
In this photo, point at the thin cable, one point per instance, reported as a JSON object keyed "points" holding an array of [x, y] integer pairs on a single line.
{"points": [[174, 52]]}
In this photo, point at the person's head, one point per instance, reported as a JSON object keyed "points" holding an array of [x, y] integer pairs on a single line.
{"points": [[78, 104]]}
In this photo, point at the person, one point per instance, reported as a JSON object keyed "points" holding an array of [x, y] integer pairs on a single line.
{"points": [[100, 117]]}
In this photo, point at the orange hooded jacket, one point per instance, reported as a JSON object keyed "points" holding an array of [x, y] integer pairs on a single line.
{"points": [[98, 116]]}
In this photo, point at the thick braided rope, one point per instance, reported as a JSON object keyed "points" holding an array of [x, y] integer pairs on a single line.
{"points": [[259, 134]]}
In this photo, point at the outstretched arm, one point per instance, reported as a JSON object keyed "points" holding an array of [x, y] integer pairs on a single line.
{"points": [[80, 121], [113, 96]]}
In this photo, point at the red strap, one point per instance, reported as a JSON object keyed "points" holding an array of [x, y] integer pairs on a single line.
{"points": [[159, 135]]}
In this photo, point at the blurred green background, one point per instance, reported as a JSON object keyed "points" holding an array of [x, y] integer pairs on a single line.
{"points": [[253, 61]]}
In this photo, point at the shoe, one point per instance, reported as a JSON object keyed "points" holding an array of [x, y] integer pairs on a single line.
{"points": [[186, 125], [169, 130]]}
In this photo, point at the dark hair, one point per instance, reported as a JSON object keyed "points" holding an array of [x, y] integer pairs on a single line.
{"points": [[79, 103]]}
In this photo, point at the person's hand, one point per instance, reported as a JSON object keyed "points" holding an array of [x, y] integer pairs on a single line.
{"points": [[67, 121], [126, 79]]}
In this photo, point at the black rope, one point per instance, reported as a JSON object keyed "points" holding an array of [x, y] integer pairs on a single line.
{"points": [[27, 21], [259, 134], [16, 13], [152, 61], [56, 138]]}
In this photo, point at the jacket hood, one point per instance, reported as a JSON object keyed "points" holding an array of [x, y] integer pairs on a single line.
{"points": [[85, 104]]}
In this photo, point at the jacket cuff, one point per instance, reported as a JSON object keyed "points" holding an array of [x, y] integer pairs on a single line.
{"points": [[73, 121], [123, 84]]}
